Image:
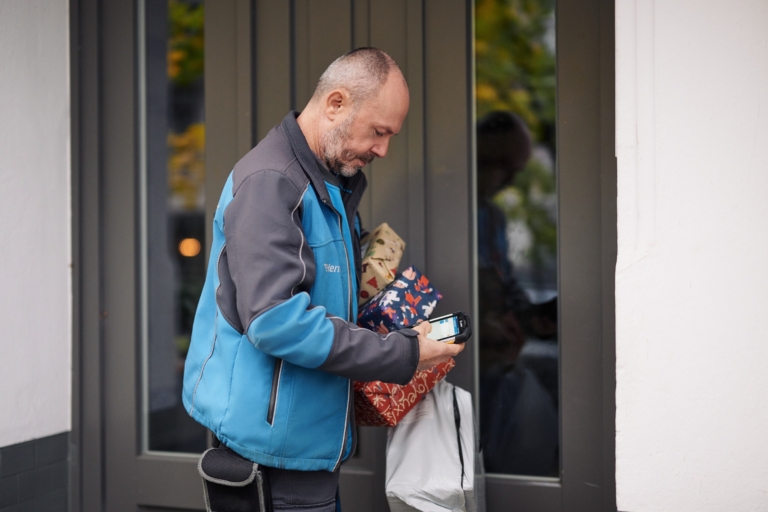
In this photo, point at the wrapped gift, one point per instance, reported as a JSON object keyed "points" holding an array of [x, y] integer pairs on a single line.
{"points": [[383, 250], [378, 404], [402, 304], [408, 299]]}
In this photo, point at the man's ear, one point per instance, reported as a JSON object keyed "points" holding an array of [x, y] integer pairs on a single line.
{"points": [[336, 103]]}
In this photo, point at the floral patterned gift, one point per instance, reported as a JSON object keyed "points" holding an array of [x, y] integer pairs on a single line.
{"points": [[409, 299]]}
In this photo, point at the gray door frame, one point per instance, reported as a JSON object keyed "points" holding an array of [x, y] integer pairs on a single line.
{"points": [[436, 161]]}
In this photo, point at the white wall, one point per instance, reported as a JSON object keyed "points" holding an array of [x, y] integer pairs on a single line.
{"points": [[692, 275], [35, 274]]}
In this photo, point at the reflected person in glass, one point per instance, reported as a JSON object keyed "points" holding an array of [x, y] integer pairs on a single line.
{"points": [[519, 419]]}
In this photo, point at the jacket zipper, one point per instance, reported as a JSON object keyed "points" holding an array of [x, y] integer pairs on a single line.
{"points": [[275, 386], [349, 312], [346, 429], [349, 272]]}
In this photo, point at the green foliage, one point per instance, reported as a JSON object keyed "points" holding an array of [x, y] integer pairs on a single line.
{"points": [[516, 73], [528, 201], [186, 42], [515, 68]]}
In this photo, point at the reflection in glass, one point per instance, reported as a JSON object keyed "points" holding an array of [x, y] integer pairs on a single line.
{"points": [[517, 236], [174, 212]]}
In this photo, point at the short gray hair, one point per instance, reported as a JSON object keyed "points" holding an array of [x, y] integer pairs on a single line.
{"points": [[362, 72]]}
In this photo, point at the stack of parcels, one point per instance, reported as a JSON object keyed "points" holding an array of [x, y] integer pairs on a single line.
{"points": [[398, 303]]}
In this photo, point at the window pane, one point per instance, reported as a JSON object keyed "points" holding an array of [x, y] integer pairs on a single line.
{"points": [[517, 236], [174, 232]]}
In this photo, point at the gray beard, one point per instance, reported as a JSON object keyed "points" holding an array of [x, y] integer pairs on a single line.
{"points": [[333, 152]]}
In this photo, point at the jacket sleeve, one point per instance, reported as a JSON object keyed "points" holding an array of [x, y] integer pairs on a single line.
{"points": [[272, 269]]}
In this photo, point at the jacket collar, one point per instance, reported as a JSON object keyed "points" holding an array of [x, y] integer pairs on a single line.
{"points": [[316, 172]]}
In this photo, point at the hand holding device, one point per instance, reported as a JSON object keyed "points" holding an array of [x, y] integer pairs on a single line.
{"points": [[433, 352], [453, 328]]}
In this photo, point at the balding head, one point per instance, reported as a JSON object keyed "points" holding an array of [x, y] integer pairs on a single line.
{"points": [[360, 102], [362, 72]]}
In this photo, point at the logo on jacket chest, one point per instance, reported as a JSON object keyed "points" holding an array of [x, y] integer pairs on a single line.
{"points": [[331, 268]]}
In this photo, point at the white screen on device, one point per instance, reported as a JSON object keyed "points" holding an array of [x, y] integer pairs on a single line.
{"points": [[444, 328]]}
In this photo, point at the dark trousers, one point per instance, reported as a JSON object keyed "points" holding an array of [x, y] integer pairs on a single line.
{"points": [[287, 490], [303, 491]]}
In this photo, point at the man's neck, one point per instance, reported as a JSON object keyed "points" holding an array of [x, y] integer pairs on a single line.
{"points": [[307, 122]]}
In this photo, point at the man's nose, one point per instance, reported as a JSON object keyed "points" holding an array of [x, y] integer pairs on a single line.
{"points": [[380, 149]]}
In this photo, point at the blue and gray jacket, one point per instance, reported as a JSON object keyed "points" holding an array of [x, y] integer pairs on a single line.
{"points": [[274, 343]]}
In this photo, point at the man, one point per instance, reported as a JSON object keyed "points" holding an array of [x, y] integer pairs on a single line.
{"points": [[274, 343]]}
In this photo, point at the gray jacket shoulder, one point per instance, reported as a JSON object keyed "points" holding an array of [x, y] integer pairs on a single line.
{"points": [[273, 153]]}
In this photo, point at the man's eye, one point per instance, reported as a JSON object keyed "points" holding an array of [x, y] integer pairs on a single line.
{"points": [[377, 133]]}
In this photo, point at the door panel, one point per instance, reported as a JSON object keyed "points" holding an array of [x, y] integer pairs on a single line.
{"points": [[323, 31], [120, 405], [578, 64], [396, 183]]}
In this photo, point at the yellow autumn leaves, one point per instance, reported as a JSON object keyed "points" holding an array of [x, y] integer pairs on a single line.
{"points": [[186, 167], [186, 150]]}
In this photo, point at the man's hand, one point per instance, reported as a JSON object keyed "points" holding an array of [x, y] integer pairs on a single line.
{"points": [[433, 352]]}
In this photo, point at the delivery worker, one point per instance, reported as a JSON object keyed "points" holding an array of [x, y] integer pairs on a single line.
{"points": [[274, 345]]}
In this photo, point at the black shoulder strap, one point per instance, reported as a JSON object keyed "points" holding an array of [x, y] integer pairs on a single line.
{"points": [[457, 418]]}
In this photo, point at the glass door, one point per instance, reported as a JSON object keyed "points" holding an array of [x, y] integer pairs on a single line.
{"points": [[516, 197], [545, 231], [172, 211]]}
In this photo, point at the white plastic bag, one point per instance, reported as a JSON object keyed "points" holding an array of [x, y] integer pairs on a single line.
{"points": [[429, 467]]}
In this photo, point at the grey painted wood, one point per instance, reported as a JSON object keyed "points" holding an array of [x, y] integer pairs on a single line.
{"points": [[523, 495], [580, 257], [388, 177], [360, 23], [323, 32], [413, 68], [118, 250], [300, 62], [87, 428], [244, 49], [228, 96], [448, 125], [168, 481], [361, 37], [329, 36], [396, 182], [272, 66]]}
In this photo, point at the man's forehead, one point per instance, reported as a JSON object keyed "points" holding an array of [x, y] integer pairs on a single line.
{"points": [[388, 123], [387, 110]]}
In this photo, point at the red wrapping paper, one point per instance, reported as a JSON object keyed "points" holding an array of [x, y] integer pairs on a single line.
{"points": [[379, 404]]}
